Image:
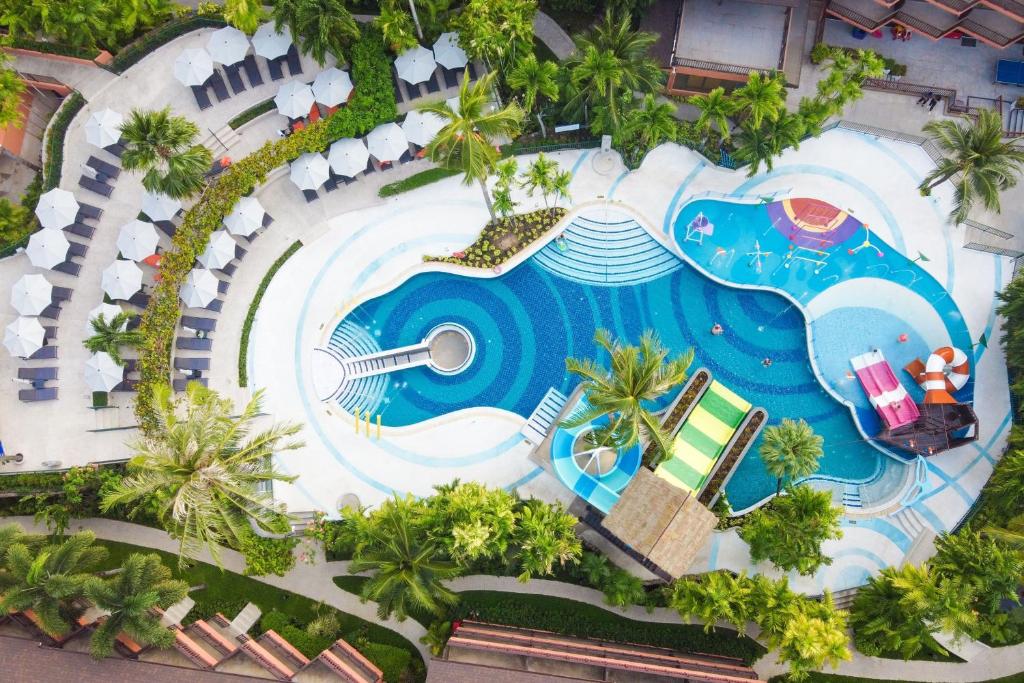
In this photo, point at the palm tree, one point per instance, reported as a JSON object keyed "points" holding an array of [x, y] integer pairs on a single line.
{"points": [[467, 141], [540, 175], [813, 637], [764, 143], [1012, 535], [560, 186], [622, 589], [396, 26], [944, 603], [245, 15], [128, 598], [202, 472], [600, 75], [651, 123], [986, 163], [790, 450], [535, 79], [546, 534], [715, 109], [805, 518], [594, 568], [714, 597], [772, 602], [319, 26], [109, 336], [162, 146], [638, 376], [630, 48], [761, 97], [407, 569], [47, 580]]}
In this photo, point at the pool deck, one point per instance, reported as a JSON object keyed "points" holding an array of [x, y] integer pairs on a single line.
{"points": [[368, 252]]}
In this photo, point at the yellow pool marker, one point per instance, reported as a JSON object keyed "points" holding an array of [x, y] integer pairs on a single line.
{"points": [[357, 420], [378, 427], [367, 413]]}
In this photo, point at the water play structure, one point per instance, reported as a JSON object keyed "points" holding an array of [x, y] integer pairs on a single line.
{"points": [[946, 371], [885, 392]]}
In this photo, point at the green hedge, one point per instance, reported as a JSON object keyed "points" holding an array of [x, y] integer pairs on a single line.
{"points": [[250, 317], [54, 48], [251, 113], [392, 661], [135, 51], [351, 583], [579, 619], [431, 175], [372, 104], [55, 139]]}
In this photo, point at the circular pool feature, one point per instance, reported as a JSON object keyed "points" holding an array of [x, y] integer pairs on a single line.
{"points": [[595, 461], [451, 348]]}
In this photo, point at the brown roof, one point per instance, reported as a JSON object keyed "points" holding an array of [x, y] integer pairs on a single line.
{"points": [[661, 521], [446, 671]]}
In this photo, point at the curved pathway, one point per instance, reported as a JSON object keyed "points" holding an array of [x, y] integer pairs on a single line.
{"points": [[554, 36]]}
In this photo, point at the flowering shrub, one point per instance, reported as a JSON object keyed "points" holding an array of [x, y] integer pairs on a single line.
{"points": [[503, 238]]}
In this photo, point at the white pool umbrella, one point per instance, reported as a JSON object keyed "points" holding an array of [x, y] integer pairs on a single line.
{"points": [[421, 127], [24, 336], [415, 65], [159, 207], [228, 45], [31, 294], [310, 171], [332, 87], [103, 128], [47, 248], [220, 250], [57, 208], [121, 279], [200, 288], [447, 52], [387, 142], [137, 240], [268, 43], [246, 218], [108, 311], [102, 373], [453, 103], [193, 66], [348, 157], [294, 99]]}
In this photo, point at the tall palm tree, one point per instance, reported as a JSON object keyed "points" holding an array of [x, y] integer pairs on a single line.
{"points": [[128, 598], [163, 147], [600, 75], [47, 580], [202, 471], [790, 450], [546, 534], [976, 151], [630, 48], [467, 141], [651, 123], [715, 109], [245, 15], [407, 569], [761, 97], [762, 144], [638, 375], [319, 26], [540, 175], [944, 603], [109, 336], [560, 186], [535, 79]]}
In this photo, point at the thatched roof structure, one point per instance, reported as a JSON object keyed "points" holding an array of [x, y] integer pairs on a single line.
{"points": [[665, 523]]}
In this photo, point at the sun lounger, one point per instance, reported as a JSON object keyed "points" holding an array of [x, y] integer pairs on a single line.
{"points": [[239, 253], [228, 270], [134, 322], [432, 85], [223, 286], [29, 618], [331, 184], [294, 63], [216, 305], [192, 363], [267, 220], [33, 395], [52, 312], [399, 97], [182, 384], [45, 353], [220, 90], [116, 149], [82, 230], [61, 294], [88, 211], [197, 323], [406, 157], [127, 385], [411, 91], [252, 70], [202, 97], [191, 649], [130, 365], [370, 168], [472, 71], [451, 77], [95, 186], [166, 227], [274, 66], [78, 250], [140, 299], [69, 268], [103, 167], [194, 344], [38, 374], [49, 333], [234, 74], [310, 195]]}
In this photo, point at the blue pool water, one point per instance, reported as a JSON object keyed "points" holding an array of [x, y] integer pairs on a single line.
{"points": [[528, 320]]}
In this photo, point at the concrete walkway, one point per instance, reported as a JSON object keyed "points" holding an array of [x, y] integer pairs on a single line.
{"points": [[554, 36]]}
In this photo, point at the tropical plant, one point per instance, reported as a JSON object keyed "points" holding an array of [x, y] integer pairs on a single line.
{"points": [[715, 109], [771, 603], [128, 599], [467, 141], [790, 450], [622, 589], [471, 521], [646, 127], [500, 32], [396, 26], [13, 221], [714, 597], [884, 625], [436, 636], [761, 98], [535, 79], [974, 150], [108, 336], [814, 635], [638, 376], [757, 145], [594, 568], [163, 147], [245, 15], [202, 471], [805, 518], [319, 26], [85, 24], [11, 89], [407, 571], [943, 602], [540, 175], [47, 580], [545, 534], [560, 186]]}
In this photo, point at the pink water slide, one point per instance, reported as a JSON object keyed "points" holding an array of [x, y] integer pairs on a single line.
{"points": [[884, 391]]}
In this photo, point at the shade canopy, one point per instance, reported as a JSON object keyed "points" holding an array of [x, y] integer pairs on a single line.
{"points": [[453, 103], [447, 52], [246, 218], [103, 128], [137, 240], [220, 250], [102, 373], [310, 171], [228, 45], [200, 288], [421, 127], [121, 279], [387, 142], [159, 207], [294, 99], [348, 157], [47, 248], [193, 66], [332, 87], [57, 208], [267, 42], [415, 65], [31, 294], [24, 336], [108, 311]]}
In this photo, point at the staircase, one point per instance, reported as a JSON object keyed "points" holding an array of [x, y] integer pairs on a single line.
{"points": [[543, 416], [1015, 123], [851, 496], [844, 599], [911, 522], [365, 393], [221, 140], [607, 250]]}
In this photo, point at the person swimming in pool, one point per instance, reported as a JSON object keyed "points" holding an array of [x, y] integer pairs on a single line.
{"points": [[717, 329], [767, 362]]}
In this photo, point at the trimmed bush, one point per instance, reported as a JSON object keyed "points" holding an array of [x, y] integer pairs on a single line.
{"points": [[267, 555], [54, 48], [251, 113], [250, 317], [392, 661], [431, 175], [55, 139], [503, 238]]}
